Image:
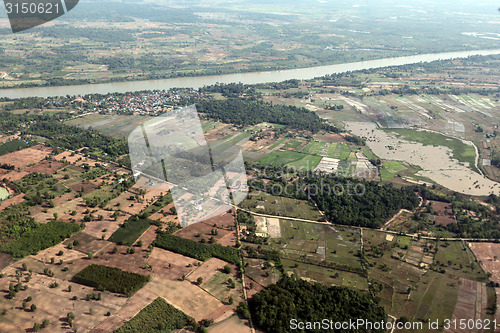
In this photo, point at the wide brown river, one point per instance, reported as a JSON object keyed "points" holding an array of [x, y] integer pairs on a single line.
{"points": [[247, 78]]}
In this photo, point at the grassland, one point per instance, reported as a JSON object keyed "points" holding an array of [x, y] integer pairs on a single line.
{"points": [[409, 289], [277, 143], [292, 144], [389, 169], [115, 125], [277, 158], [320, 243], [459, 260], [339, 151], [307, 163], [315, 147], [273, 205]]}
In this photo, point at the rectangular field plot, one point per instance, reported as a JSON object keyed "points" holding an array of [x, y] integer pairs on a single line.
{"points": [[219, 286], [459, 260], [185, 296], [309, 162], [277, 158], [324, 275], [341, 151], [292, 144], [265, 203], [321, 245]]}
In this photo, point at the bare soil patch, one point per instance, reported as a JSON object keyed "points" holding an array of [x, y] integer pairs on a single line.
{"points": [[329, 137], [105, 227], [470, 301], [170, 265], [255, 272], [485, 254], [86, 185], [63, 207], [70, 157], [125, 204], [140, 300], [134, 263], [45, 167], [87, 243], [192, 230], [11, 201], [54, 303], [185, 296], [109, 325], [229, 239], [444, 213], [256, 287], [24, 157], [15, 175], [232, 324]]}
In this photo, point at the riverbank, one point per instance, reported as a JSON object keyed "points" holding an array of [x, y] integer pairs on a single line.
{"points": [[197, 82]]}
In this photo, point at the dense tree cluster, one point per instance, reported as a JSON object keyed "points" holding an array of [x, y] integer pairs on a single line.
{"points": [[111, 278], [157, 317], [10, 147], [40, 238], [344, 200], [274, 307], [230, 89], [196, 250], [244, 113], [130, 231], [474, 221], [73, 138], [62, 135]]}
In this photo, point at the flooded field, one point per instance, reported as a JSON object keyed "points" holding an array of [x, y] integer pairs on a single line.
{"points": [[436, 162]]}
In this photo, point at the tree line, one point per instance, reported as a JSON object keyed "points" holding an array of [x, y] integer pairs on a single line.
{"points": [[196, 250], [244, 113]]}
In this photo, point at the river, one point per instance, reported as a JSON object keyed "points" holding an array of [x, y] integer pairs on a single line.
{"points": [[247, 78]]}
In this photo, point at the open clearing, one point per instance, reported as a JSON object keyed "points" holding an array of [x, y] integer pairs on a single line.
{"points": [[232, 324], [488, 255], [170, 265], [24, 157], [53, 303], [185, 296]]}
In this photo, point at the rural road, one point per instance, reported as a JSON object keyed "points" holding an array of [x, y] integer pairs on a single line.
{"points": [[379, 230]]}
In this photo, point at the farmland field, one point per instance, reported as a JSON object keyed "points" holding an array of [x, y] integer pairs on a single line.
{"points": [[277, 158], [262, 202], [307, 163]]}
